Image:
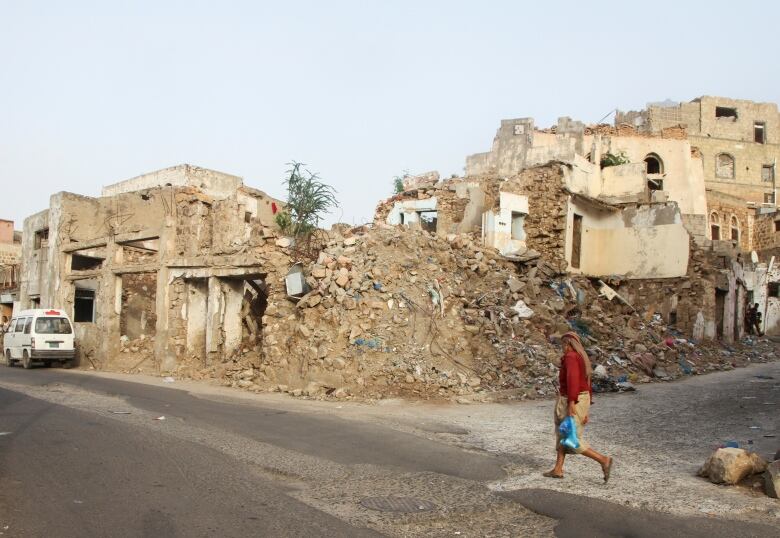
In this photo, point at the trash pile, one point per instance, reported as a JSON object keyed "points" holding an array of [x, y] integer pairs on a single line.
{"points": [[392, 311]]}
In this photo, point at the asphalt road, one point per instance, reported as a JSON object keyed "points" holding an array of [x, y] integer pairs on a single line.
{"points": [[83, 456]]}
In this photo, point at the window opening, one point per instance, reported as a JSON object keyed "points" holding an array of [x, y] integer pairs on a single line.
{"points": [[767, 172], [41, 238], [654, 164], [428, 220], [84, 306], [769, 198], [726, 113], [759, 132], [777, 225], [734, 229], [714, 226], [79, 262], [724, 166], [518, 226], [774, 289]]}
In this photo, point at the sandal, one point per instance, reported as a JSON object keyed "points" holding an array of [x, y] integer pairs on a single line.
{"points": [[550, 474], [607, 470]]}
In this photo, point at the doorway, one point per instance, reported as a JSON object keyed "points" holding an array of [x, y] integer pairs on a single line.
{"points": [[576, 242]]}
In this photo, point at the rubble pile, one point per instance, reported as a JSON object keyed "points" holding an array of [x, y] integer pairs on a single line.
{"points": [[394, 311]]}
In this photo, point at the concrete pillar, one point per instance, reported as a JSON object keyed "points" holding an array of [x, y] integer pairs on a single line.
{"points": [[231, 319], [214, 316], [108, 308], [197, 311], [163, 348]]}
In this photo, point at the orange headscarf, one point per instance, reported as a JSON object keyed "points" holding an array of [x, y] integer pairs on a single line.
{"points": [[573, 339]]}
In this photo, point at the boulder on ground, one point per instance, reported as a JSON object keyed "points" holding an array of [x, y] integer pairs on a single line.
{"points": [[731, 465], [772, 479]]}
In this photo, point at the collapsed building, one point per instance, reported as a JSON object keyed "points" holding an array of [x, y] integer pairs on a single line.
{"points": [[159, 267], [459, 287], [611, 203]]}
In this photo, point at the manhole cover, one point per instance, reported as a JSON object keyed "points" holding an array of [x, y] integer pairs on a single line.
{"points": [[397, 504]]}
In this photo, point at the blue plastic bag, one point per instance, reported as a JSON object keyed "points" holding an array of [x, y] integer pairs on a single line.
{"points": [[568, 431]]}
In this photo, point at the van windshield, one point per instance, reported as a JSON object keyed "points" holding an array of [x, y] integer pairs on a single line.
{"points": [[52, 326]]}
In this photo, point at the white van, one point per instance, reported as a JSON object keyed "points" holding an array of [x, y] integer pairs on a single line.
{"points": [[39, 335]]}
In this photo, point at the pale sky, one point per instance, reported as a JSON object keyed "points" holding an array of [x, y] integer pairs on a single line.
{"points": [[92, 93]]}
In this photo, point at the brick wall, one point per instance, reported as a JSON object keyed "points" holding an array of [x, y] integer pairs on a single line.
{"points": [[6, 232], [726, 208]]}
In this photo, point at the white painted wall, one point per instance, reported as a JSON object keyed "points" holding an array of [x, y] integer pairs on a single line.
{"points": [[613, 244], [410, 210], [497, 224]]}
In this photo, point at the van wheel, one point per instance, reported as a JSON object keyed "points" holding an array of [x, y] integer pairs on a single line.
{"points": [[8, 360], [26, 360]]}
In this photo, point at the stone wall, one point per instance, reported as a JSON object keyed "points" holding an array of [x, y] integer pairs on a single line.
{"points": [[547, 202]]}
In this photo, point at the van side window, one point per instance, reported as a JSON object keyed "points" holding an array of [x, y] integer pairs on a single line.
{"points": [[20, 324], [27, 326]]}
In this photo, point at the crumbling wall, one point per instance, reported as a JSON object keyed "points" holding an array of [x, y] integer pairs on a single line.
{"points": [[458, 206], [545, 224], [138, 313], [194, 225]]}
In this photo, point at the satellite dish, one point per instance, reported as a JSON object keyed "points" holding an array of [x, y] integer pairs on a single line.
{"points": [[754, 257]]}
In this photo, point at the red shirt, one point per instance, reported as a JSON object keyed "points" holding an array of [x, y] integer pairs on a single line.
{"points": [[572, 377]]}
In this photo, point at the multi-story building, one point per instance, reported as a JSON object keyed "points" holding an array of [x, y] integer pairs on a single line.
{"points": [[739, 145], [10, 255]]}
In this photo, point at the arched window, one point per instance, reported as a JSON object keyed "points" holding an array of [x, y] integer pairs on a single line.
{"points": [[714, 226], [734, 228], [654, 164], [724, 166]]}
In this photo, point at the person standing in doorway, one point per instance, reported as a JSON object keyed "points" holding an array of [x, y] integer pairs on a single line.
{"points": [[750, 316], [757, 320], [574, 400]]}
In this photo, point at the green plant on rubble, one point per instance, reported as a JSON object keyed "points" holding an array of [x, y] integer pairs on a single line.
{"points": [[398, 182], [614, 159], [308, 200]]}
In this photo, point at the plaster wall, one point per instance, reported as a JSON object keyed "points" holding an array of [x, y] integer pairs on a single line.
{"points": [[683, 175], [210, 182], [407, 212], [636, 242], [503, 229]]}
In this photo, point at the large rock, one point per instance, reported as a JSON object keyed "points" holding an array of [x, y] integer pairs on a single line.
{"points": [[730, 465], [772, 479]]}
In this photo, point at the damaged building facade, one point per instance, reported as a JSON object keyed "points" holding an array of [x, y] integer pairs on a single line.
{"points": [[10, 257], [611, 203], [165, 268]]}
